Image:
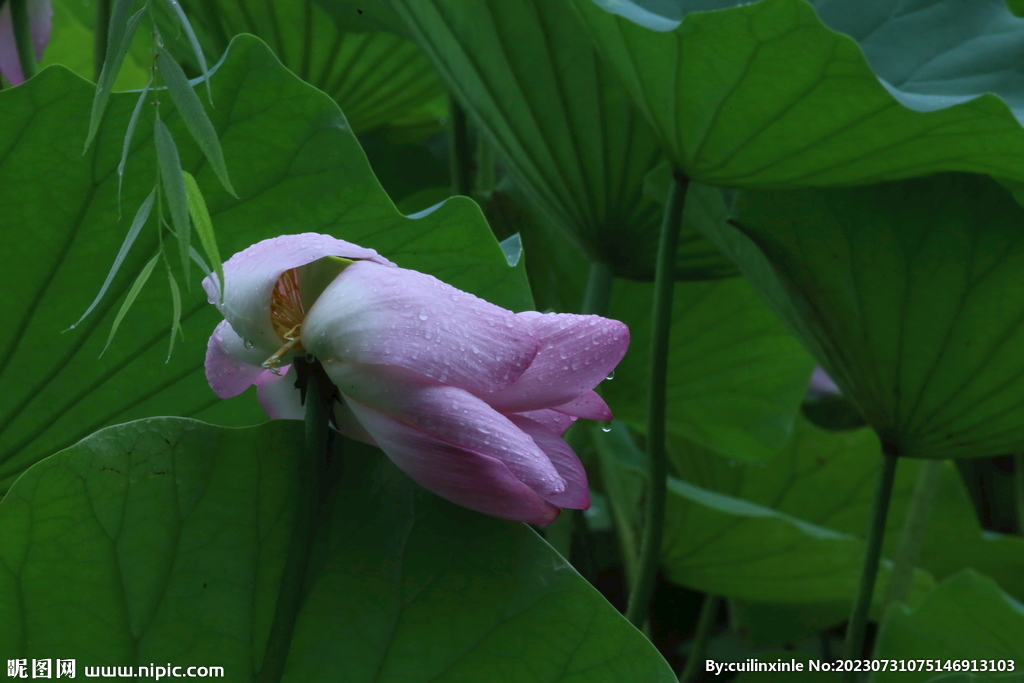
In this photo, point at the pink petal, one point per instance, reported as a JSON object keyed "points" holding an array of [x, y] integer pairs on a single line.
{"points": [[252, 273], [281, 400], [469, 479], [10, 65], [231, 368], [822, 386], [589, 406], [448, 415], [40, 21], [393, 316], [551, 419], [40, 15], [576, 494], [577, 352]]}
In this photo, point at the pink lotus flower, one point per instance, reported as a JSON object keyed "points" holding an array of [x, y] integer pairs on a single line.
{"points": [[40, 16], [469, 399]]}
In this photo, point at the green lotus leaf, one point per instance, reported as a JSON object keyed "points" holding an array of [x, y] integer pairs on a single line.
{"points": [[909, 293], [296, 168], [165, 540], [967, 616], [376, 77], [769, 95], [736, 376], [528, 74]]}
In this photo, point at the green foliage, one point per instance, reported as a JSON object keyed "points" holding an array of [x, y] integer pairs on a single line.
{"points": [[558, 121], [766, 95], [967, 616], [909, 293], [736, 375], [184, 529]]}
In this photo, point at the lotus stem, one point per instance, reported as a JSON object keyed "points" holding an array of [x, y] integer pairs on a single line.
{"points": [[706, 619], [857, 626], [914, 531], [661, 318], [459, 159]]}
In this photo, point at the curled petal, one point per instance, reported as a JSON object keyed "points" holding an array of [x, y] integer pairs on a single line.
{"points": [[576, 494], [282, 400], [393, 316], [448, 415], [552, 419], [470, 479], [231, 368], [589, 406], [577, 352], [252, 273]]}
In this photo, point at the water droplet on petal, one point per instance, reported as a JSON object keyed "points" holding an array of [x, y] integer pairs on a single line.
{"points": [[611, 375], [606, 427], [248, 344]]}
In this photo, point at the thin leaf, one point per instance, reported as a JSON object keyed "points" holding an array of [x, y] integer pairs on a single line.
{"points": [[140, 219], [194, 41], [122, 30], [176, 301], [128, 140], [133, 293], [194, 116], [203, 224], [174, 188]]}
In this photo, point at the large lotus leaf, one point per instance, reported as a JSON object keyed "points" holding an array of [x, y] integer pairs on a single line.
{"points": [[376, 77], [766, 95], [728, 546], [966, 616], [528, 74], [164, 540], [736, 376], [296, 167], [910, 294], [828, 478]]}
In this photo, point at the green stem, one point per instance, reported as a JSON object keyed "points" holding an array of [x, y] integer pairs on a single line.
{"points": [[102, 30], [23, 37], [706, 619], [485, 175], [559, 534], [599, 289], [858, 623], [293, 579], [661, 318], [914, 531], [459, 160], [1018, 474]]}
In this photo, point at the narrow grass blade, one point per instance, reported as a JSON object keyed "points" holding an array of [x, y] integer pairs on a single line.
{"points": [[128, 140], [203, 224], [194, 116], [194, 41], [122, 30], [174, 190], [176, 302], [141, 216], [133, 293]]}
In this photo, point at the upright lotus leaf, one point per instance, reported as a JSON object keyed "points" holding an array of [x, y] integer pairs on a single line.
{"points": [[766, 95], [557, 118], [375, 76], [732, 547], [736, 376], [165, 540], [909, 293], [966, 616], [296, 167]]}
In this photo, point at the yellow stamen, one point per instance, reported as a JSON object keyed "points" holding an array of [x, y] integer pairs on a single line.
{"points": [[286, 316]]}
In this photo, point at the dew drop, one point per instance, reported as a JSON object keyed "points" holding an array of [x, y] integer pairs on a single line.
{"points": [[423, 315], [611, 375], [606, 427], [248, 344]]}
